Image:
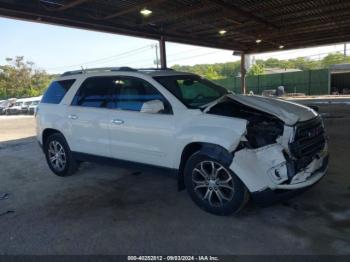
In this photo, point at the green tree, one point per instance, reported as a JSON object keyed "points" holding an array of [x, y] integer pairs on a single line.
{"points": [[232, 69], [256, 69], [18, 78], [211, 73], [272, 62], [332, 59]]}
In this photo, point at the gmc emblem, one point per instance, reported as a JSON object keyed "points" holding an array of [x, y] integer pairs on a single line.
{"points": [[314, 132]]}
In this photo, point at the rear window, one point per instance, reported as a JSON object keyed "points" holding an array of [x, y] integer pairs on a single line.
{"points": [[56, 91]]}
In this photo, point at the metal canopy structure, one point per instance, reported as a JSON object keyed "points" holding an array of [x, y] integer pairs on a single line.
{"points": [[248, 26], [226, 24]]}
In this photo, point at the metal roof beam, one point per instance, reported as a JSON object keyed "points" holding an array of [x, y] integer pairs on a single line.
{"points": [[71, 4], [174, 16], [231, 8], [133, 8]]}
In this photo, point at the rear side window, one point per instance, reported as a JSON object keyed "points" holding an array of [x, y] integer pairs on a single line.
{"points": [[56, 91], [94, 92], [117, 92]]}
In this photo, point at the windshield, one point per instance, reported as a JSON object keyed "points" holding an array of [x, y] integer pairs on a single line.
{"points": [[192, 90]]}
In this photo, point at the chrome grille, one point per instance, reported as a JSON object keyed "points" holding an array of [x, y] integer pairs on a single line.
{"points": [[308, 141]]}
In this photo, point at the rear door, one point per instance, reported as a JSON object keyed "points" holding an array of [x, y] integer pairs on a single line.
{"points": [[136, 136], [88, 117]]}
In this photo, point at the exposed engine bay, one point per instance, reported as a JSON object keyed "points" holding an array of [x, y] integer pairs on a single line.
{"points": [[268, 145], [262, 129]]}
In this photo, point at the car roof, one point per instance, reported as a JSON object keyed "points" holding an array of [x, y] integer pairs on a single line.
{"points": [[165, 73], [118, 70]]}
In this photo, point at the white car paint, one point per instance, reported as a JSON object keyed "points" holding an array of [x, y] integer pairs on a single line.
{"points": [[159, 139], [88, 130]]}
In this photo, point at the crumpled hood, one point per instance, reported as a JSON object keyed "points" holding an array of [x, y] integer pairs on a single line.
{"points": [[290, 113]]}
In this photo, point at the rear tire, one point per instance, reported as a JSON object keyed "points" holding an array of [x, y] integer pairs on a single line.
{"points": [[213, 186], [59, 157]]}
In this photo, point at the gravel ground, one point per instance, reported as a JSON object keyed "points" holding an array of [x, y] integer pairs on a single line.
{"points": [[106, 210]]}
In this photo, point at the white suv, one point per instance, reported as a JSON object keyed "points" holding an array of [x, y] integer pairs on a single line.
{"points": [[224, 148]]}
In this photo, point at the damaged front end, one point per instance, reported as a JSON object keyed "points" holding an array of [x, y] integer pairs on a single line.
{"points": [[275, 158]]}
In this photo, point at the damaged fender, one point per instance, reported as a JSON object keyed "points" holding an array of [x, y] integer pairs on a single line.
{"points": [[228, 133]]}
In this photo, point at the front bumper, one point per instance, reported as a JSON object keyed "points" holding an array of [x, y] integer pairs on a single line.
{"points": [[268, 196], [266, 169]]}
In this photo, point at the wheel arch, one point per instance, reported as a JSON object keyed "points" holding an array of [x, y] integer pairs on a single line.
{"points": [[48, 132], [212, 150]]}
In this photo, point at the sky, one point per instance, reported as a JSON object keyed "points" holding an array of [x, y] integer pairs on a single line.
{"points": [[57, 49]]}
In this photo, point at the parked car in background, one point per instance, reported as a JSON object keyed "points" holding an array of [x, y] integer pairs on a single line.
{"points": [[3, 105], [16, 109], [25, 105], [33, 106], [7, 104], [15, 106]]}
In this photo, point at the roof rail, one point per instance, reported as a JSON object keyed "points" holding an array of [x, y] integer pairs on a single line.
{"points": [[155, 69], [101, 69]]}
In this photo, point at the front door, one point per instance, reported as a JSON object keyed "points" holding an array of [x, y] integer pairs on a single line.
{"points": [[136, 136]]}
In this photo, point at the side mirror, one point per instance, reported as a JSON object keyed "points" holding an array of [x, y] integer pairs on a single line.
{"points": [[152, 107]]}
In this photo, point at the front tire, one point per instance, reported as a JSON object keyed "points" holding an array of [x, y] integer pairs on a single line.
{"points": [[213, 186], [59, 156]]}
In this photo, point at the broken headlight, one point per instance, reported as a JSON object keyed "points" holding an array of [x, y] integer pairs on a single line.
{"points": [[263, 133]]}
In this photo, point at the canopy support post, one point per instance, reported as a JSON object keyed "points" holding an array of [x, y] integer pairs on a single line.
{"points": [[243, 74], [163, 62]]}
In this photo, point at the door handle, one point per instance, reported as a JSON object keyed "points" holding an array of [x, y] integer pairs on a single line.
{"points": [[117, 121], [73, 117]]}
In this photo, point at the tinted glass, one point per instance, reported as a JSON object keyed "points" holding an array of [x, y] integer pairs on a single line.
{"points": [[56, 91], [192, 90], [130, 93], [94, 92]]}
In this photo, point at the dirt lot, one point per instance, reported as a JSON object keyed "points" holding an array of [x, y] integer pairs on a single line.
{"points": [[106, 210], [16, 127]]}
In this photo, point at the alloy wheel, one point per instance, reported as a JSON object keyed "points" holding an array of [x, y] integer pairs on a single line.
{"points": [[213, 183], [57, 155]]}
